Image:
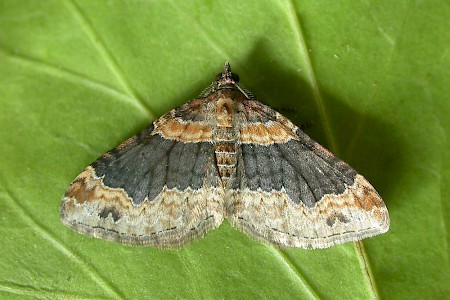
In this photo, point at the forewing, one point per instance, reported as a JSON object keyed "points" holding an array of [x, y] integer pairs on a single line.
{"points": [[158, 188], [291, 191]]}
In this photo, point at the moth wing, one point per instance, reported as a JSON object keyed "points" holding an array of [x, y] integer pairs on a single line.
{"points": [[291, 191], [150, 190]]}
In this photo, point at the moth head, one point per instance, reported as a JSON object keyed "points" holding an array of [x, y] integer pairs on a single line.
{"points": [[226, 77], [226, 80]]}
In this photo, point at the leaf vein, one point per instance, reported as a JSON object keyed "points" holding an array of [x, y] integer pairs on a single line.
{"points": [[294, 18], [70, 76], [106, 55], [107, 286], [296, 271]]}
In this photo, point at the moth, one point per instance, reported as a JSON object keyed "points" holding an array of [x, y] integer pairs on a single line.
{"points": [[223, 155]]}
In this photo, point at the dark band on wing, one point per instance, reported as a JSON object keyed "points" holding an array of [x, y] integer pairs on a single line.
{"points": [[145, 169], [305, 175]]}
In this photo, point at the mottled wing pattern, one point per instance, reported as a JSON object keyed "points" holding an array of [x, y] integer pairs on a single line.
{"points": [[291, 191], [152, 189], [223, 155]]}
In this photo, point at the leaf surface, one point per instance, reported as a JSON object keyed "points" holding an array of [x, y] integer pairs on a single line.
{"points": [[79, 77]]}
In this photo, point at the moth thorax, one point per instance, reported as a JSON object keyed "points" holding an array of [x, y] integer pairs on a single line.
{"points": [[224, 112]]}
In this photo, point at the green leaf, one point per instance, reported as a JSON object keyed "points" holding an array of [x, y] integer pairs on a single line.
{"points": [[78, 77]]}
